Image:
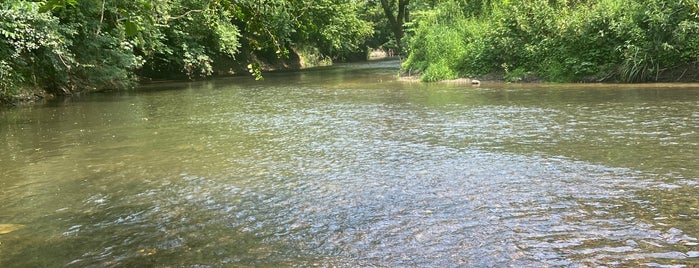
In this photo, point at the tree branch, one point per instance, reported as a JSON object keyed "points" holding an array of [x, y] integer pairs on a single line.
{"points": [[185, 14], [99, 26]]}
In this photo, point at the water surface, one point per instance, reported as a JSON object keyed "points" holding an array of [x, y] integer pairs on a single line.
{"points": [[348, 167]]}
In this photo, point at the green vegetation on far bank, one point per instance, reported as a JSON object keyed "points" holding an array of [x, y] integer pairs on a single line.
{"points": [[556, 40], [67, 46]]}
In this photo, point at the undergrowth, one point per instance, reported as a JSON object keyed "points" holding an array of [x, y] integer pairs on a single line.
{"points": [[557, 40]]}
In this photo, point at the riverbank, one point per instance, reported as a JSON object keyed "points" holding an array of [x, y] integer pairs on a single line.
{"points": [[253, 64], [25, 96], [679, 77], [683, 74]]}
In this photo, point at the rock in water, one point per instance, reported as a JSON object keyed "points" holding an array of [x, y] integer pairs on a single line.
{"points": [[6, 228]]}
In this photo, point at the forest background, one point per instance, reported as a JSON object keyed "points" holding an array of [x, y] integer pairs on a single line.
{"points": [[56, 47]]}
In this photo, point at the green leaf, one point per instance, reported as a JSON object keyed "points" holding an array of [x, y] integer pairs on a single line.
{"points": [[56, 4], [131, 28]]}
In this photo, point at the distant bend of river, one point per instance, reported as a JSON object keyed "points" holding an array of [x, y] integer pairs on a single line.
{"points": [[348, 167]]}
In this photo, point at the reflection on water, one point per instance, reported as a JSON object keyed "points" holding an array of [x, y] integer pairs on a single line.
{"points": [[347, 167]]}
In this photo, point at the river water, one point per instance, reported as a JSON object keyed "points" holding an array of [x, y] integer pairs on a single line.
{"points": [[347, 167]]}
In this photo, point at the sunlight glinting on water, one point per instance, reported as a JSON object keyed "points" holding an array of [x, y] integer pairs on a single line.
{"points": [[332, 168]]}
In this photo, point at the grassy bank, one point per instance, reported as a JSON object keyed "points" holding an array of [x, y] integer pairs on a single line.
{"points": [[557, 40]]}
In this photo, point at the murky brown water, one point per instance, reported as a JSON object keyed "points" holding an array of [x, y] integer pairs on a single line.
{"points": [[348, 167]]}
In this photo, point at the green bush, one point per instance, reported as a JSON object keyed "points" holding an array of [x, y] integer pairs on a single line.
{"points": [[476, 58], [559, 40], [64, 46], [32, 49], [437, 44]]}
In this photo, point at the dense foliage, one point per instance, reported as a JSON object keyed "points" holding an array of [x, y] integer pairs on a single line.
{"points": [[557, 40], [64, 46]]}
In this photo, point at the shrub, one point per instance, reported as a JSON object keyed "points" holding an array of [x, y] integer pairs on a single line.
{"points": [[32, 49], [437, 45], [559, 40]]}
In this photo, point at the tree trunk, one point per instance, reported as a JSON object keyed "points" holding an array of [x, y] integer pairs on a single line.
{"points": [[396, 18]]}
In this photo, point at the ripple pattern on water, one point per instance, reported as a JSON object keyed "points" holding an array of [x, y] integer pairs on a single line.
{"points": [[357, 175]]}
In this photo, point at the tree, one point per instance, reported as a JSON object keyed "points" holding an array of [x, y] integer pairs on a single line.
{"points": [[64, 46], [397, 14], [33, 52]]}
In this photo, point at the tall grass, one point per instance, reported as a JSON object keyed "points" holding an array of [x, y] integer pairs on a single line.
{"points": [[558, 40], [438, 42]]}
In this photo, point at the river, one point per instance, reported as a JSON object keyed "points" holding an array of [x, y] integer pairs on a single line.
{"points": [[348, 167]]}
